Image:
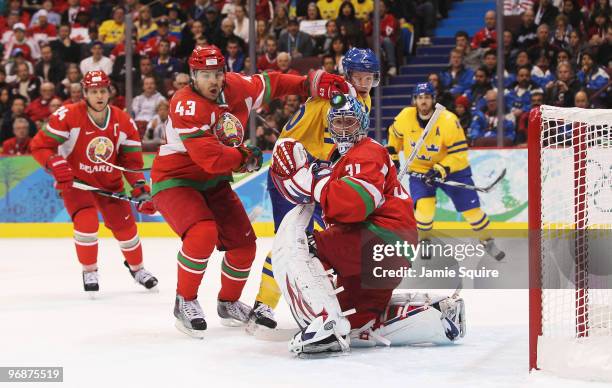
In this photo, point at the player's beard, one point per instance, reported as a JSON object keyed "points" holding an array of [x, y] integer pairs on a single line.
{"points": [[424, 113]]}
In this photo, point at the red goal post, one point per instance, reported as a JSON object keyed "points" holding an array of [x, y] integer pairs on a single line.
{"points": [[570, 301]]}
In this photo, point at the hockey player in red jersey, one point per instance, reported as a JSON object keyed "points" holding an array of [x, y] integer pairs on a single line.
{"points": [[191, 176], [77, 140], [364, 205]]}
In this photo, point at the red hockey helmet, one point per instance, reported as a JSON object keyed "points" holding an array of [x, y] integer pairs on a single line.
{"points": [[206, 58], [95, 79]]}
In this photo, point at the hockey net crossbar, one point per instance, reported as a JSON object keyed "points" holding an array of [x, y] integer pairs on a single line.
{"points": [[570, 250]]}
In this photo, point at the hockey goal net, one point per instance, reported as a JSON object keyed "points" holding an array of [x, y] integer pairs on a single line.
{"points": [[570, 250]]}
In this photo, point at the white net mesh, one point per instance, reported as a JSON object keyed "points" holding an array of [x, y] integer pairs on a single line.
{"points": [[576, 235]]}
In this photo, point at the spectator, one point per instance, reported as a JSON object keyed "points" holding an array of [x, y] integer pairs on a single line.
{"points": [[576, 47], [543, 46], [17, 59], [324, 42], [509, 48], [43, 31], [145, 26], [604, 53], [227, 33], [284, 64], [267, 61], [462, 110], [442, 96], [389, 31], [116, 99], [349, 26], [81, 32], [597, 32], [188, 41], [522, 59], [265, 138], [15, 6], [38, 109], [144, 105], [484, 123], [165, 66], [155, 133], [540, 73], [151, 47], [457, 78], [5, 100], [97, 61], [590, 75], [476, 93], [472, 59], [145, 69], [297, 43], [560, 36], [52, 16], [234, 59], [526, 34], [328, 63], [281, 19], [100, 11], [73, 75], [75, 94], [328, 9], [17, 110], [363, 9], [26, 85], [11, 20], [3, 82], [229, 8], [175, 22], [571, 10], [197, 11], [517, 7], [20, 143], [545, 12], [49, 67], [564, 56], [264, 10], [241, 23], [312, 12], [487, 36], [262, 31], [561, 92], [19, 40], [581, 100], [522, 127], [518, 99], [338, 49], [64, 47], [69, 16], [111, 31]]}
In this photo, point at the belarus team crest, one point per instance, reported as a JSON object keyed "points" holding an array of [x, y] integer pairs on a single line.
{"points": [[229, 130], [100, 148]]}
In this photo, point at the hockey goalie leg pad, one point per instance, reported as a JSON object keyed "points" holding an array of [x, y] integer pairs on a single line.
{"points": [[86, 225], [192, 259], [421, 318], [130, 246], [305, 285]]}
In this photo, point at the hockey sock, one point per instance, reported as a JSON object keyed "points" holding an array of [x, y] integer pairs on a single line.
{"points": [[424, 214], [192, 259], [130, 246], [269, 293], [235, 271], [479, 222], [85, 223]]}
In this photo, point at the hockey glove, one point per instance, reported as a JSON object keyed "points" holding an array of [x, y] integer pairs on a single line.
{"points": [[437, 173], [142, 193], [61, 171], [325, 85], [252, 158]]}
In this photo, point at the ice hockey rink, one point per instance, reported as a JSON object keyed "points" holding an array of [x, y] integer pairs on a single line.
{"points": [[126, 337]]}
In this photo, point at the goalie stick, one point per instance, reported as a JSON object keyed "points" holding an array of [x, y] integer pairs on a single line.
{"points": [[434, 117], [484, 189], [122, 168]]}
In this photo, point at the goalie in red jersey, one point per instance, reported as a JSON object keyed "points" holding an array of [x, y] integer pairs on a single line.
{"points": [[77, 141], [192, 174], [364, 206]]}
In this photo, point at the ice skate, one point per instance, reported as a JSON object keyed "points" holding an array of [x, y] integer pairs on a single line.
{"points": [[90, 283], [143, 277], [493, 250], [189, 317], [233, 314], [261, 317]]}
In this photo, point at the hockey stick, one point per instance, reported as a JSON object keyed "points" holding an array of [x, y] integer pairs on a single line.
{"points": [[265, 124], [122, 168], [484, 189], [434, 117], [104, 193]]}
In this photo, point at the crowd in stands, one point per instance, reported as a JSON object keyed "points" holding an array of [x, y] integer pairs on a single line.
{"points": [[558, 54]]}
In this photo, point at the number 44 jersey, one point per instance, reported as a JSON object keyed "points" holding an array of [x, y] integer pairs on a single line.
{"points": [[363, 187]]}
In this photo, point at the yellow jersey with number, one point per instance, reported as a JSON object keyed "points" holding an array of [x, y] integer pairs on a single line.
{"points": [[445, 144], [309, 126]]}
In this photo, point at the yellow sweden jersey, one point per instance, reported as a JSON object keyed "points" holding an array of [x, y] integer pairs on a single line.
{"points": [[309, 126], [445, 144]]}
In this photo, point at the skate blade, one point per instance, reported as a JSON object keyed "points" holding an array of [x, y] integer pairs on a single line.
{"points": [[320, 355], [152, 290], [92, 295], [231, 322], [199, 334]]}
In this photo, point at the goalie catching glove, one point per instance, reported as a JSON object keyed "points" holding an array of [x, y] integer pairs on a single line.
{"points": [[299, 181]]}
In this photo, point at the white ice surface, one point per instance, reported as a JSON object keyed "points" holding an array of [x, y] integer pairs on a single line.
{"points": [[127, 338]]}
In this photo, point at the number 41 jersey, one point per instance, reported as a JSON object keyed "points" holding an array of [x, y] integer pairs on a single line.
{"points": [[363, 187]]}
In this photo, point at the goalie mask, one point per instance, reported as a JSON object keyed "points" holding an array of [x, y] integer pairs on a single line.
{"points": [[348, 122]]}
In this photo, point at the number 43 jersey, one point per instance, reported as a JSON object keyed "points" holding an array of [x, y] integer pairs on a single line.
{"points": [[363, 187]]}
